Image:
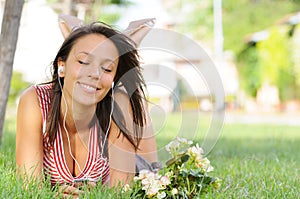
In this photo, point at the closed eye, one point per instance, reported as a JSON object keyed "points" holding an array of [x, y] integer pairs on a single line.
{"points": [[82, 62], [106, 69]]}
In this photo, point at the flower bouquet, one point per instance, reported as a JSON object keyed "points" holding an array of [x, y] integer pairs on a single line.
{"points": [[185, 174]]}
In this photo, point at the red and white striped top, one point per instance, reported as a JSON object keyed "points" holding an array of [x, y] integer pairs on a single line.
{"points": [[96, 167]]}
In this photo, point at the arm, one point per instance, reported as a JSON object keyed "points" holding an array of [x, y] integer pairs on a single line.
{"points": [[147, 147], [29, 143], [121, 158], [121, 151]]}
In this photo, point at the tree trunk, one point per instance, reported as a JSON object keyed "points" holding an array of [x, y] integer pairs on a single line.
{"points": [[8, 42]]}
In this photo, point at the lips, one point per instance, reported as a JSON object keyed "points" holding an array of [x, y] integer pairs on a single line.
{"points": [[88, 88]]}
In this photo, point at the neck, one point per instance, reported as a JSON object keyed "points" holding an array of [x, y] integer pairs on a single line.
{"points": [[78, 117]]}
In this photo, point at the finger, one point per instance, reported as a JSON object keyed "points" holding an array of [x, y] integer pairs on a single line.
{"points": [[68, 196], [92, 184], [66, 189]]}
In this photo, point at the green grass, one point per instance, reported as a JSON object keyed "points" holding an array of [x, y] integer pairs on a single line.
{"points": [[258, 161], [253, 161]]}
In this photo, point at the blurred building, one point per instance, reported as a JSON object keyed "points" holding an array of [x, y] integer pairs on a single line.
{"points": [[176, 79], [267, 98], [172, 80]]}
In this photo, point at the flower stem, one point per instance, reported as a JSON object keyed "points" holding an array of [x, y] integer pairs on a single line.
{"points": [[188, 184]]}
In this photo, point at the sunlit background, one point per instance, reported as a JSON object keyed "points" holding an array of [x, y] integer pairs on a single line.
{"points": [[255, 49]]}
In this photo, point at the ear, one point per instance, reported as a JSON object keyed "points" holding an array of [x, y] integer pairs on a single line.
{"points": [[61, 68], [67, 23], [137, 30]]}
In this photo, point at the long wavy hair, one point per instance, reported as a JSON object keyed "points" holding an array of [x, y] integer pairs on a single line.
{"points": [[128, 76]]}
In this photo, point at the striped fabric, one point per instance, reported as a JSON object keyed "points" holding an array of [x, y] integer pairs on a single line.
{"points": [[96, 167]]}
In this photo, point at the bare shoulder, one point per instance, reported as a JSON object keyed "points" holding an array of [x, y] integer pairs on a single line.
{"points": [[29, 110], [29, 96]]}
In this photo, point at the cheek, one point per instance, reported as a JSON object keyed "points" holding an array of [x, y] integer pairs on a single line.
{"points": [[107, 80], [73, 71]]}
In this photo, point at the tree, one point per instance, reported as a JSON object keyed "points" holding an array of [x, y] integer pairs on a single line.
{"points": [[8, 42]]}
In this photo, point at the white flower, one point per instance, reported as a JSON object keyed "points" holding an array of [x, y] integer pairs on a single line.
{"points": [[149, 178], [210, 168], [174, 191], [217, 183], [126, 188], [154, 185], [181, 167], [177, 145], [184, 141], [173, 145], [143, 174], [204, 164], [169, 174], [164, 181], [146, 181], [161, 195], [136, 178], [152, 189], [196, 151], [151, 183]]}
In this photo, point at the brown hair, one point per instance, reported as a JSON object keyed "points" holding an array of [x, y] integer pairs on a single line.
{"points": [[128, 76]]}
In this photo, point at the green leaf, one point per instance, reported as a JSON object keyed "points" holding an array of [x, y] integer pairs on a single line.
{"points": [[185, 158]]}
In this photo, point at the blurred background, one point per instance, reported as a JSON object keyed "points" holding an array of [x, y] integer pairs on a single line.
{"points": [[255, 48], [254, 45]]}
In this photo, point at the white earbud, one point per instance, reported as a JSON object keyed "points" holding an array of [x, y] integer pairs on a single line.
{"points": [[112, 85], [60, 69]]}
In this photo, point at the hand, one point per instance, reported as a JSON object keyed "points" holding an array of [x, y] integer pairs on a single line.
{"points": [[88, 184], [69, 191]]}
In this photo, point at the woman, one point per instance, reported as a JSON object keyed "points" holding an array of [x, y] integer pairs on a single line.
{"points": [[87, 123]]}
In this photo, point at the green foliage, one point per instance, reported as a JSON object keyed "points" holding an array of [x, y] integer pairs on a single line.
{"points": [[270, 61], [52, 1], [249, 70], [276, 63], [244, 17], [109, 18], [240, 19], [17, 86], [118, 2], [199, 20], [102, 11], [194, 18], [273, 54]]}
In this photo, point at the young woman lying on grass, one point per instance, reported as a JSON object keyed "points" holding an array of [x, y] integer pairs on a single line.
{"points": [[89, 122]]}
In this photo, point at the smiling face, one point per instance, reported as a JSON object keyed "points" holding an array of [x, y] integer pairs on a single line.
{"points": [[89, 69]]}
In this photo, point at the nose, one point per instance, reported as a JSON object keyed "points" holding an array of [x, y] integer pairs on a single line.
{"points": [[95, 72]]}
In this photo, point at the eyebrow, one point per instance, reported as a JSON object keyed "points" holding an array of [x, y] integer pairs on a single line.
{"points": [[83, 52], [90, 54]]}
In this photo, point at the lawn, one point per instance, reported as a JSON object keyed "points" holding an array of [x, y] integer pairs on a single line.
{"points": [[253, 161]]}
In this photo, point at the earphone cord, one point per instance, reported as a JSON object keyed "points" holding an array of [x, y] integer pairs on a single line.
{"points": [[64, 125], [67, 133], [110, 118]]}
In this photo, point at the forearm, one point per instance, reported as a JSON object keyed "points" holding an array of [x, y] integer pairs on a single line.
{"points": [[119, 178], [29, 171], [148, 150]]}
